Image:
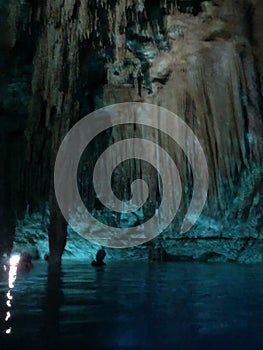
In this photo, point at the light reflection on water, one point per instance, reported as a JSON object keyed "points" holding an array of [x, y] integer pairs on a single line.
{"points": [[133, 306], [12, 273]]}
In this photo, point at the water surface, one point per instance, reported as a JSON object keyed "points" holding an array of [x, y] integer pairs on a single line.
{"points": [[133, 306]]}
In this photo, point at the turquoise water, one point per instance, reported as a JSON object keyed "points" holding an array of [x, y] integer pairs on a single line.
{"points": [[133, 306]]}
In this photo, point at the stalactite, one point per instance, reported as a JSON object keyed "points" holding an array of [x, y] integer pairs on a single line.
{"points": [[215, 76], [210, 74]]}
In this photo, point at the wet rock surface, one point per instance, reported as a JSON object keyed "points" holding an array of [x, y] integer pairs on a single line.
{"points": [[200, 59]]}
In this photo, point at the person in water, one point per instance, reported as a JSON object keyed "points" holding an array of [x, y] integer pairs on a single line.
{"points": [[25, 262], [99, 258], [46, 257]]}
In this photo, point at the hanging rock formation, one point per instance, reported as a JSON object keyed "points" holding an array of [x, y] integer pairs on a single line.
{"points": [[200, 60]]}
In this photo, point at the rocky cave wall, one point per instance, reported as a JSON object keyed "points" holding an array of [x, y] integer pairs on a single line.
{"points": [[200, 59]]}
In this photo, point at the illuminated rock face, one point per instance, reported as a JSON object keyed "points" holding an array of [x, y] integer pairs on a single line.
{"points": [[200, 60]]}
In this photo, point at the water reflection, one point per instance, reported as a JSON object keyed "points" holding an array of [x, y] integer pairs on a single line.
{"points": [[53, 299], [8, 315], [135, 306], [11, 268]]}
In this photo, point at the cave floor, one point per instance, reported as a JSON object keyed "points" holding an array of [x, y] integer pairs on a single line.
{"points": [[133, 306]]}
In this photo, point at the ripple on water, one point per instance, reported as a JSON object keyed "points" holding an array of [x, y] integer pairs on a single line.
{"points": [[134, 306]]}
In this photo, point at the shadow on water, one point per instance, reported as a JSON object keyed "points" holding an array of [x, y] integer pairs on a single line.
{"points": [[30, 308], [52, 302]]}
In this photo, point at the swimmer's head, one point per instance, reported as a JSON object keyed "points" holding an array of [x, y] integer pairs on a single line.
{"points": [[100, 255]]}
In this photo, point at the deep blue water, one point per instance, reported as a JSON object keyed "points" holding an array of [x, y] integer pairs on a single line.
{"points": [[133, 306]]}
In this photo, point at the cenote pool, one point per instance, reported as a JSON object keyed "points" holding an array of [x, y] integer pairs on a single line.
{"points": [[133, 306]]}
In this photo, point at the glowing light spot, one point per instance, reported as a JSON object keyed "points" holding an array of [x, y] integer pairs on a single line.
{"points": [[9, 296], [8, 331], [14, 260], [4, 267], [12, 276], [8, 315], [8, 303]]}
